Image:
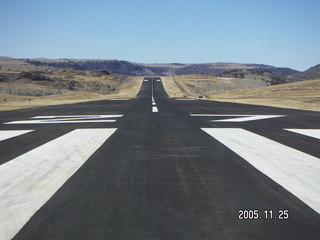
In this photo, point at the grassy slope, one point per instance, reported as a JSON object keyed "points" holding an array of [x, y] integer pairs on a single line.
{"points": [[303, 95], [128, 89], [299, 95]]}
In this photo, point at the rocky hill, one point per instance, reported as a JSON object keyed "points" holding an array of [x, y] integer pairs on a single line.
{"points": [[311, 73], [140, 69]]}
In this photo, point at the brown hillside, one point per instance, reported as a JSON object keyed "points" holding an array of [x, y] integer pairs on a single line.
{"points": [[311, 73]]}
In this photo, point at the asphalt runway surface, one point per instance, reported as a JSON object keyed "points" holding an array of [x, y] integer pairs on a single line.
{"points": [[159, 168]]}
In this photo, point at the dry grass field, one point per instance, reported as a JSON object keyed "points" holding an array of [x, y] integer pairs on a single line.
{"points": [[194, 85], [303, 95], [127, 89], [91, 86], [299, 95]]}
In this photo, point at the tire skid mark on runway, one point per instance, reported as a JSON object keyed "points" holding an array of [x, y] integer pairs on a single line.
{"points": [[6, 134], [294, 170], [29, 181]]}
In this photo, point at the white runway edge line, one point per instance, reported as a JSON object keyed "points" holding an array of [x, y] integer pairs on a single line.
{"points": [[296, 171], [315, 133], [29, 181], [68, 119], [6, 134], [120, 99], [237, 118], [186, 99]]}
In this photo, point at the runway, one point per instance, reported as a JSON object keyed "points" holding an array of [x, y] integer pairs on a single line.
{"points": [[155, 167]]}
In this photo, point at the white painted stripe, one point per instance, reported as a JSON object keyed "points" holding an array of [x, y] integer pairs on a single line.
{"points": [[154, 104], [217, 115], [152, 90], [146, 80], [154, 109], [250, 118], [58, 121], [29, 181], [79, 116], [120, 99], [158, 80], [67, 119], [296, 171], [239, 118], [6, 134], [186, 99], [315, 133]]}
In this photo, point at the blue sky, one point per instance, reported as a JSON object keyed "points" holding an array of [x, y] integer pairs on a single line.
{"points": [[282, 33]]}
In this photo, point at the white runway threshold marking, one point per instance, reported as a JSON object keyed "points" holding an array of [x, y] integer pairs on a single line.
{"points": [[6, 134], [237, 118], [29, 181], [296, 171], [68, 119], [315, 133]]}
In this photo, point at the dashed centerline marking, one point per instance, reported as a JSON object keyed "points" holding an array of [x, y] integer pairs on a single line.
{"points": [[154, 105], [296, 171], [29, 181]]}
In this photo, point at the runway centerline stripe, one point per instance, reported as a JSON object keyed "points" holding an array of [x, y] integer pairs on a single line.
{"points": [[154, 105], [6, 134], [154, 109], [315, 133], [296, 171], [29, 181]]}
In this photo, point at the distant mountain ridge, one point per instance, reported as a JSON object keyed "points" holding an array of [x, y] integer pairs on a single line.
{"points": [[140, 69]]}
